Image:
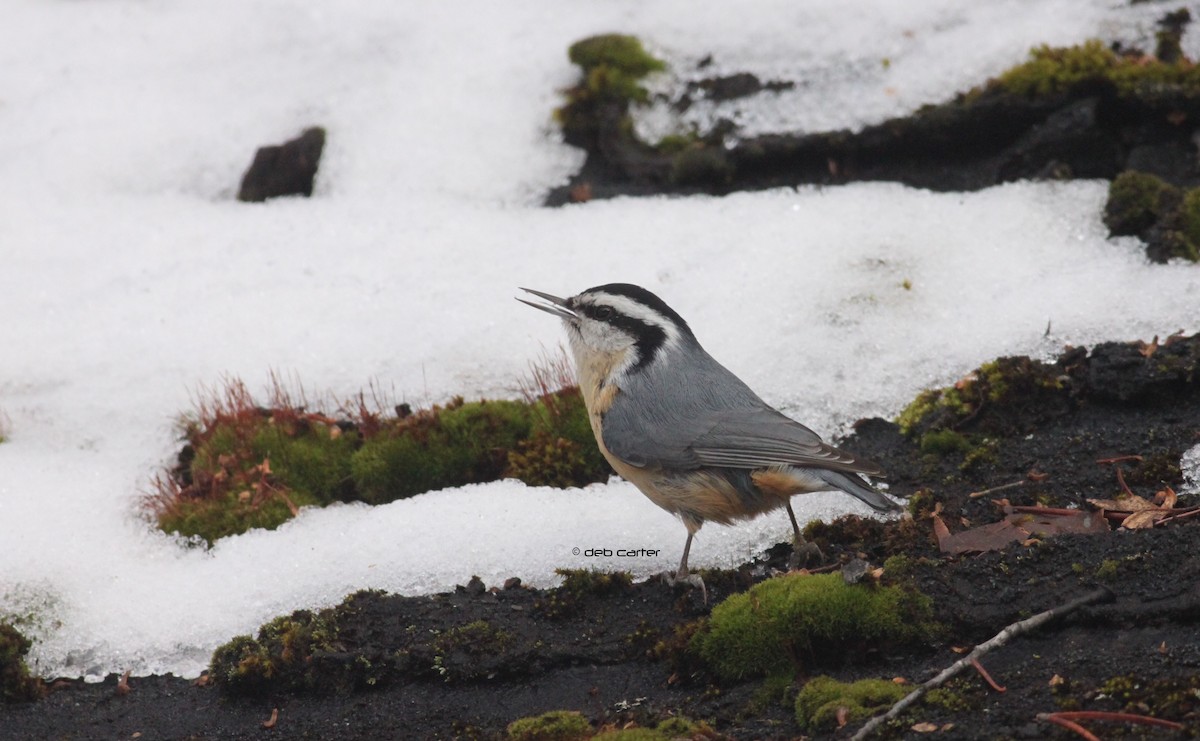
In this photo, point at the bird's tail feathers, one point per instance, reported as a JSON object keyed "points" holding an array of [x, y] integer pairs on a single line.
{"points": [[854, 485]]}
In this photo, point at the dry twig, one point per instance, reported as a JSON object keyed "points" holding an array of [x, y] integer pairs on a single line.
{"points": [[987, 677], [1012, 631], [1068, 718]]}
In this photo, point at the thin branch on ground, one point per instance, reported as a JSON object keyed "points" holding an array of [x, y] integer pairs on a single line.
{"points": [[1070, 725], [994, 489], [1012, 631], [1119, 459], [1068, 718]]}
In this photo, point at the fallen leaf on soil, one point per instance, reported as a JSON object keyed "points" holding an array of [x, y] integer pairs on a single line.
{"points": [[1167, 498], [843, 716], [1017, 526], [1057, 680], [1144, 519], [1143, 512], [924, 727], [1127, 503]]}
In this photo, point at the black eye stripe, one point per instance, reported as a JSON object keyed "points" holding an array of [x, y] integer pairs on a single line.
{"points": [[648, 338]]}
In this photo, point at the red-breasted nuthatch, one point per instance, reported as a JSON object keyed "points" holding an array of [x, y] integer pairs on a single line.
{"points": [[684, 430]]}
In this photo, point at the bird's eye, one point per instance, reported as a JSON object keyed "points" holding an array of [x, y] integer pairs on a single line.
{"points": [[604, 313]]}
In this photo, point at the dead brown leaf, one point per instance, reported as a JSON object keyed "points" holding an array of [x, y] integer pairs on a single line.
{"points": [[1144, 519], [1024, 527], [1167, 498], [1127, 503], [924, 727]]}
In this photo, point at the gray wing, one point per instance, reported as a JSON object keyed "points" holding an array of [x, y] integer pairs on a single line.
{"points": [[758, 438], [713, 419]]}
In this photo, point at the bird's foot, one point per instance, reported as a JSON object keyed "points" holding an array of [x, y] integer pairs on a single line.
{"points": [[692, 580], [804, 553]]}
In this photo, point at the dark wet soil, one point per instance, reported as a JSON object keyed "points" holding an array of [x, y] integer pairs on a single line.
{"points": [[610, 649]]}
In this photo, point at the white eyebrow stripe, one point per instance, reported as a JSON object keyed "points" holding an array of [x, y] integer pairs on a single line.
{"points": [[641, 312]]}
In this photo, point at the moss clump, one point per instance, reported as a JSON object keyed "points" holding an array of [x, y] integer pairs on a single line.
{"points": [[667, 730], [819, 701], [613, 66], [614, 63], [250, 466], [297, 652], [16, 685], [801, 618], [1143, 205], [1189, 247], [556, 725], [577, 586], [1054, 70], [941, 443], [996, 397], [280, 657], [1172, 698], [458, 444], [1057, 69], [459, 650], [561, 449], [1136, 200]]}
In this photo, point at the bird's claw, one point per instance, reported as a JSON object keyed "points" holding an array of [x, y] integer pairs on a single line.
{"points": [[804, 553], [691, 580]]}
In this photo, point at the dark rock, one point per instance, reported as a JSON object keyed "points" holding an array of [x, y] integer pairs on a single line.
{"points": [[284, 170], [474, 587], [1071, 138]]}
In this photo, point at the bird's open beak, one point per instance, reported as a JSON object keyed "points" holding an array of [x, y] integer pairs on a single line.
{"points": [[557, 306]]}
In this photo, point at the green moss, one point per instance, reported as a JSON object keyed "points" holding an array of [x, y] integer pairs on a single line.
{"points": [[312, 463], [279, 657], [556, 725], [1190, 222], [16, 685], [943, 442], [982, 454], [956, 697], [229, 514], [613, 66], [1016, 381], [1056, 69], [1107, 569], [578, 585], [921, 503], [247, 467], [462, 443], [819, 701], [1171, 698], [667, 730], [1136, 200], [1053, 70], [614, 51], [773, 691], [457, 651], [925, 404], [561, 449], [799, 618]]}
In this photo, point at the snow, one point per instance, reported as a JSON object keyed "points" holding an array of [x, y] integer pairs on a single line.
{"points": [[129, 277]]}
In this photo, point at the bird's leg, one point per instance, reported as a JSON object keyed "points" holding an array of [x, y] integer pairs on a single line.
{"points": [[682, 576], [802, 551]]}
